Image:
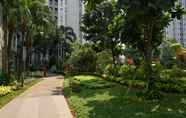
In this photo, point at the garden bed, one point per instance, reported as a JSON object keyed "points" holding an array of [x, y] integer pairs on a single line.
{"points": [[120, 102]]}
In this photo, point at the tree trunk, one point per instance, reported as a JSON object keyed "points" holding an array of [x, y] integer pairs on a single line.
{"points": [[4, 51], [148, 57], [9, 45], [20, 61], [27, 61], [148, 69], [113, 56]]}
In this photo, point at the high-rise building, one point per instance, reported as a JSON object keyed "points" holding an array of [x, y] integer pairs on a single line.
{"points": [[1, 36], [67, 13], [58, 8], [177, 28], [74, 13]]}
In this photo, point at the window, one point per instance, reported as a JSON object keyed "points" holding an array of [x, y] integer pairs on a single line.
{"points": [[56, 9], [56, 18], [50, 2]]}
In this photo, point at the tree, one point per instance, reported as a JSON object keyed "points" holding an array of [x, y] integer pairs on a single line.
{"points": [[41, 22], [9, 27], [101, 25], [56, 44], [21, 18], [65, 36], [145, 21]]}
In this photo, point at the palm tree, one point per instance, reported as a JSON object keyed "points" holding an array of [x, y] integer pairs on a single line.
{"points": [[65, 36], [35, 16], [41, 21], [25, 17], [9, 26]]}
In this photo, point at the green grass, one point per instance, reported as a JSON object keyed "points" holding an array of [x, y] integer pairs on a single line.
{"points": [[7, 98], [116, 102], [92, 82]]}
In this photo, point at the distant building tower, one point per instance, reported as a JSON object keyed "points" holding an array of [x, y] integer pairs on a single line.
{"points": [[58, 9], [67, 13], [74, 14], [177, 28]]}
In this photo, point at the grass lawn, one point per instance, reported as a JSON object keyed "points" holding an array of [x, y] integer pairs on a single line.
{"points": [[7, 98], [115, 102]]}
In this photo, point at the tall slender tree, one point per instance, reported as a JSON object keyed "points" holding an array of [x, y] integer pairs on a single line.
{"points": [[145, 21], [101, 25]]}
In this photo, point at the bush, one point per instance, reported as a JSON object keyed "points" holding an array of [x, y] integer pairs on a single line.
{"points": [[3, 80], [168, 54], [170, 87], [4, 90], [83, 60], [153, 95], [103, 59], [75, 85], [127, 71], [140, 73], [177, 72], [112, 70]]}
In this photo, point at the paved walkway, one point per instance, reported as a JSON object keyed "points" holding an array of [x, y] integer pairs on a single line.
{"points": [[44, 100]]}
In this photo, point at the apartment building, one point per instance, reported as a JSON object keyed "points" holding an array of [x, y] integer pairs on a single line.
{"points": [[58, 8], [177, 28], [1, 36], [74, 14], [67, 13]]}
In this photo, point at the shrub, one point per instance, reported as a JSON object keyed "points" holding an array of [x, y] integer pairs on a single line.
{"points": [[177, 72], [83, 60], [3, 80], [4, 90], [112, 70], [168, 54], [170, 87], [103, 59], [127, 71], [75, 85], [140, 73], [155, 94]]}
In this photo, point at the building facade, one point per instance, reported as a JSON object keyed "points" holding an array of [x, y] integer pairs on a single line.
{"points": [[58, 8], [67, 13], [1, 36], [74, 14], [177, 28]]}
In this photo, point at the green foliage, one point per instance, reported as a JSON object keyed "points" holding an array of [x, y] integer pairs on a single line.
{"points": [[75, 85], [3, 80], [168, 54], [114, 102], [177, 72], [112, 70], [94, 82], [79, 82], [57, 44], [134, 54], [127, 71], [4, 90], [16, 92], [153, 95], [101, 26], [83, 60], [146, 35], [103, 59], [140, 73]]}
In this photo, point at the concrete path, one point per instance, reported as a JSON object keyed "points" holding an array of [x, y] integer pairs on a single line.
{"points": [[44, 100]]}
